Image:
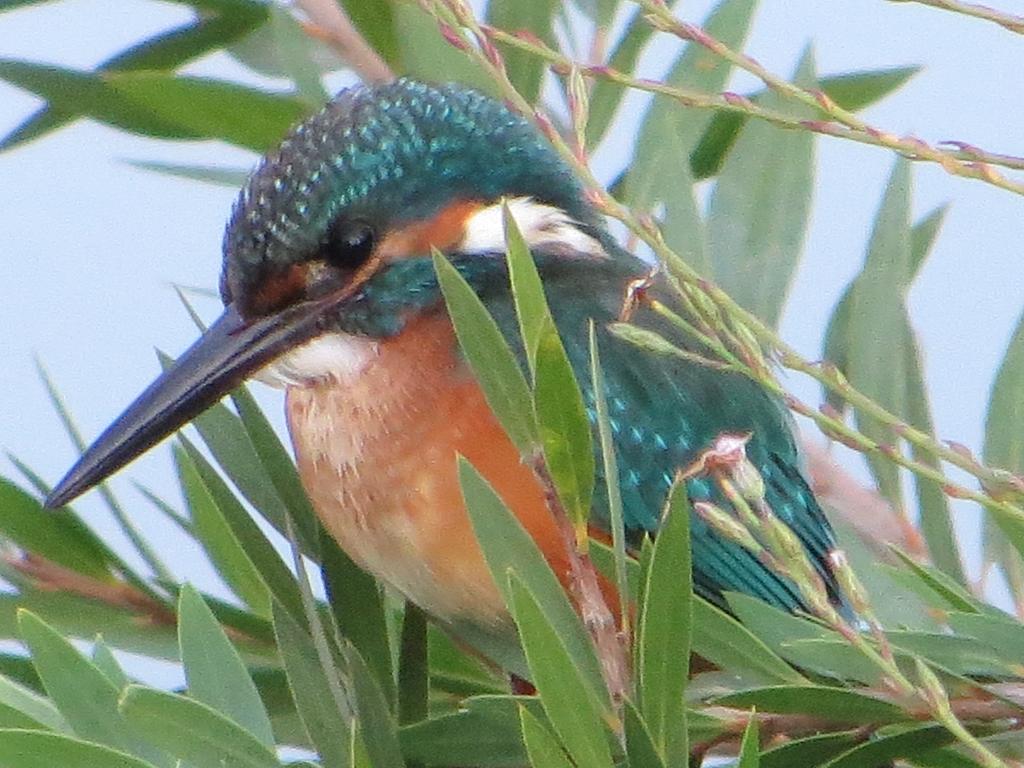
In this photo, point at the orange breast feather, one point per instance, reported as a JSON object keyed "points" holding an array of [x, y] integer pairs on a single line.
{"points": [[377, 454]]}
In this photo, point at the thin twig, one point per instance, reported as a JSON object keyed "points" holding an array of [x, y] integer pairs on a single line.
{"points": [[585, 589], [964, 159], [1008, 21], [457, 22], [336, 28]]}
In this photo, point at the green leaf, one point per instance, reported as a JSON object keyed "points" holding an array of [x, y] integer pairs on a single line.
{"points": [[294, 54], [1004, 428], [280, 470], [640, 748], [424, 53], [564, 429], [357, 605], [610, 468], [59, 536], [664, 631], [107, 663], [506, 545], [541, 745], [575, 714], [489, 356], [232, 178], [316, 696], [212, 109], [852, 91], [1003, 634], [192, 731], [525, 70], [413, 667], [812, 750], [750, 746], [166, 50], [886, 747], [670, 132], [722, 640], [87, 94], [605, 96], [760, 207], [215, 672], [839, 705], [376, 726], [940, 584], [376, 22], [218, 540], [483, 732], [82, 693], [38, 710], [38, 749], [258, 549], [527, 289]]}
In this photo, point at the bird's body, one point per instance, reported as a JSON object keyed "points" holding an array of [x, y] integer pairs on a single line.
{"points": [[332, 294]]}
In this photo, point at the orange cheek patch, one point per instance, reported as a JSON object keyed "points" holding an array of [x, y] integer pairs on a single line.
{"points": [[279, 290], [442, 231]]}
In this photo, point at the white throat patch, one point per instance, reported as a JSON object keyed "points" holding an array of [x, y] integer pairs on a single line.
{"points": [[336, 356], [540, 224]]}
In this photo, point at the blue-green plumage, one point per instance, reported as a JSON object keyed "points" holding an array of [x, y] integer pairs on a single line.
{"points": [[304, 259], [664, 411]]}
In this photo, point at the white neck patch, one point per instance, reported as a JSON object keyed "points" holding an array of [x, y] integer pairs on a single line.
{"points": [[336, 356], [540, 224]]}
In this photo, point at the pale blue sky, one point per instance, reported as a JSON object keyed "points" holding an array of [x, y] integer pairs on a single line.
{"points": [[91, 245]]}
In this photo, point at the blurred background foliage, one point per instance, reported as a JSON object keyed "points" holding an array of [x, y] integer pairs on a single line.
{"points": [[338, 672]]}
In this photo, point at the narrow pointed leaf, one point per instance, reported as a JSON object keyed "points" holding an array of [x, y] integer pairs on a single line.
{"points": [[377, 728], [760, 207], [36, 708], [605, 96], [664, 632], [295, 56], [59, 536], [541, 745], [84, 695], [312, 692], [572, 709], [38, 749], [212, 109], [812, 750], [357, 605], [215, 672], [524, 69], [108, 664], [413, 667], [280, 470], [489, 356], [258, 549], [376, 22], [835, 704], [640, 748], [218, 540], [852, 91], [564, 428], [209, 174], [721, 639], [507, 545], [750, 747], [192, 731], [527, 290]]}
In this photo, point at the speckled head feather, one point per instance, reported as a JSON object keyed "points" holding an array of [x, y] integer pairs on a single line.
{"points": [[387, 154]]}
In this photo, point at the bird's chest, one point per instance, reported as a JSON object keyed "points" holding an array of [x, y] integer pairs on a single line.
{"points": [[377, 452]]}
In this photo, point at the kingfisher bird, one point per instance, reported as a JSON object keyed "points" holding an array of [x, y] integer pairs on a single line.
{"points": [[330, 292]]}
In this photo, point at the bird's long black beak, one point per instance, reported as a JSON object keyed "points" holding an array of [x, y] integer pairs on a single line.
{"points": [[228, 352]]}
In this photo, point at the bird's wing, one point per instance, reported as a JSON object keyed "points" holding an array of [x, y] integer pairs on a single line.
{"points": [[664, 412]]}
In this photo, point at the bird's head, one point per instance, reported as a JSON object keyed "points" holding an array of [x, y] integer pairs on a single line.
{"points": [[332, 234]]}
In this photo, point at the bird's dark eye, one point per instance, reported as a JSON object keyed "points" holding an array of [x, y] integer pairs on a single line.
{"points": [[350, 245]]}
